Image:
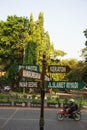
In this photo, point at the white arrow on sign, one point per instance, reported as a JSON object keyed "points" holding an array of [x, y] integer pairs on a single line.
{"points": [[47, 78]]}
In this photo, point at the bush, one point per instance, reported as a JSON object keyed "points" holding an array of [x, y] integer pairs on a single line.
{"points": [[4, 98], [1, 97], [35, 101], [16, 96], [57, 99], [8, 98], [33, 96], [66, 101], [25, 96]]}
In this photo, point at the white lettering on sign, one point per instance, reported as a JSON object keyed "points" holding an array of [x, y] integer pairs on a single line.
{"points": [[28, 84], [31, 68], [34, 68], [65, 84], [30, 74], [32, 84], [60, 84], [56, 85], [23, 84], [72, 85], [57, 68]]}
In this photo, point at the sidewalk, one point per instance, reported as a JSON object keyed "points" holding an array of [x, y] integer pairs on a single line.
{"points": [[36, 108]]}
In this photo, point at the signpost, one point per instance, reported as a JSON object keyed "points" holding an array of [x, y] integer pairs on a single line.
{"points": [[42, 91], [33, 72], [65, 84], [58, 69]]}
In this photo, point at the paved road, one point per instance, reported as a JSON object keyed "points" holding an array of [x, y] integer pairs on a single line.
{"points": [[28, 119]]}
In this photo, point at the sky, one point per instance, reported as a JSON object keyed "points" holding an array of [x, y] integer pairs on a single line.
{"points": [[65, 20]]}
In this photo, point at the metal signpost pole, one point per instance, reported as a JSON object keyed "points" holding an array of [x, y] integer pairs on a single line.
{"points": [[42, 91]]}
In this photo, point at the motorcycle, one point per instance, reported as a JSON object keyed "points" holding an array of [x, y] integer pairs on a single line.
{"points": [[76, 115]]}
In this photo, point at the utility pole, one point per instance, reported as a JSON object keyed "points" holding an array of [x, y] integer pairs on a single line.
{"points": [[43, 91]]}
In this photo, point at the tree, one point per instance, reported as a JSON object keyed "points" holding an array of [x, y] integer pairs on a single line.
{"points": [[12, 36], [84, 50], [23, 41], [32, 32], [84, 74], [30, 54], [85, 33]]}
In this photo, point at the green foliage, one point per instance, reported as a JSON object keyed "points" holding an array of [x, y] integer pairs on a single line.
{"points": [[84, 74], [53, 100], [25, 96], [55, 90], [35, 101], [81, 100], [4, 98], [1, 97], [16, 96], [7, 98], [58, 99], [78, 73], [66, 101], [85, 33], [12, 35], [49, 98], [30, 54], [23, 41], [33, 96], [20, 99]]}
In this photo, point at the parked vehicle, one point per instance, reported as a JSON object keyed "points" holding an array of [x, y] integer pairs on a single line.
{"points": [[7, 88], [76, 115]]}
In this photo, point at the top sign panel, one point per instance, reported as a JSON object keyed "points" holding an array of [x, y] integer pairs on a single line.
{"points": [[58, 69], [28, 67]]}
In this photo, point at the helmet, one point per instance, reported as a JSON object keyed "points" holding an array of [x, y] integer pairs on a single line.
{"points": [[71, 100]]}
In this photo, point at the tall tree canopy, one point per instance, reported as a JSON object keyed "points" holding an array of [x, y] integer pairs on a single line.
{"points": [[12, 40], [84, 50], [85, 33], [23, 41], [16, 33]]}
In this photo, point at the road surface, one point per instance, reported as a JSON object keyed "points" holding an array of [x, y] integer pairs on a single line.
{"points": [[28, 119]]}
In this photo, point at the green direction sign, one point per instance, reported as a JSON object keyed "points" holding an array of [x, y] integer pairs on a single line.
{"points": [[65, 84], [28, 67], [58, 69]]}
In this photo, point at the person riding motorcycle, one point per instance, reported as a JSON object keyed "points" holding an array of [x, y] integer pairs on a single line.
{"points": [[72, 107], [70, 110]]}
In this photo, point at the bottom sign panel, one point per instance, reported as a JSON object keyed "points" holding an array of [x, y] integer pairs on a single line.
{"points": [[65, 84], [28, 84]]}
